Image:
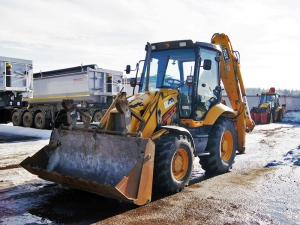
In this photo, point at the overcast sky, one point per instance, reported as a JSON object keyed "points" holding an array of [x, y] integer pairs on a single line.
{"points": [[57, 34]]}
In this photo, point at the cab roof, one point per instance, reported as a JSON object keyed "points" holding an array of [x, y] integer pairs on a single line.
{"points": [[182, 44]]}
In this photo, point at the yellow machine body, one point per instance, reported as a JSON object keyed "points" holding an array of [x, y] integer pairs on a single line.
{"points": [[150, 138]]}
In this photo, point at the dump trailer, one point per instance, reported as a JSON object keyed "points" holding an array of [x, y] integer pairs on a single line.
{"points": [[148, 141], [91, 88], [268, 109], [16, 83]]}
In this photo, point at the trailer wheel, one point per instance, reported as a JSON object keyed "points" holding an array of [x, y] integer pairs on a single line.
{"points": [[83, 118], [97, 116], [222, 146], [173, 163], [16, 118], [27, 120], [40, 121]]}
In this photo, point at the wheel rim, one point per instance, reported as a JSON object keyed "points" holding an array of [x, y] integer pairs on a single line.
{"points": [[27, 120], [39, 121], [16, 118], [226, 146], [180, 164], [98, 116]]}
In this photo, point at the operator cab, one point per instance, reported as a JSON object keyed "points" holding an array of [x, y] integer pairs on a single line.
{"points": [[191, 68]]}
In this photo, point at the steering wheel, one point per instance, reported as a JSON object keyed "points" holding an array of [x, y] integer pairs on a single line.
{"points": [[173, 82]]}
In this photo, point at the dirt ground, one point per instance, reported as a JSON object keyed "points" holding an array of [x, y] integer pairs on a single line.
{"points": [[263, 187]]}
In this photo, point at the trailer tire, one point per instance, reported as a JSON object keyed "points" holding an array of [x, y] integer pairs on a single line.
{"points": [[27, 120], [40, 121], [173, 163], [83, 118], [16, 118], [97, 116], [222, 146]]}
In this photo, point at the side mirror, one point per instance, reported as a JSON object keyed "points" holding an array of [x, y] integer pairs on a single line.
{"points": [[218, 88], [128, 69], [207, 64], [132, 82], [190, 80]]}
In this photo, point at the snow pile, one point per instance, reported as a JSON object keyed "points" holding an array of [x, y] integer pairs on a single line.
{"points": [[292, 116], [291, 158]]}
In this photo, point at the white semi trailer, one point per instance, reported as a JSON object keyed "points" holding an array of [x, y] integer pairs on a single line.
{"points": [[40, 97]]}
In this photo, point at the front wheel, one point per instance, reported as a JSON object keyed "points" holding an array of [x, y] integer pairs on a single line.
{"points": [[270, 118], [173, 163], [222, 146]]}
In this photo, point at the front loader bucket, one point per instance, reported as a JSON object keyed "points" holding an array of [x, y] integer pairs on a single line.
{"points": [[109, 165]]}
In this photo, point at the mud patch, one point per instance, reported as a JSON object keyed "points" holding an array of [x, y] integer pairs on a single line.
{"points": [[10, 138]]}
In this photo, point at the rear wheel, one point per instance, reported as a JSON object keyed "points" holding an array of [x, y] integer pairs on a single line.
{"points": [[97, 116], [27, 120], [280, 116], [40, 121], [16, 118], [173, 163], [222, 146]]}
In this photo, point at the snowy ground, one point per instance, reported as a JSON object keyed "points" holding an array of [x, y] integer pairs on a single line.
{"points": [[262, 188]]}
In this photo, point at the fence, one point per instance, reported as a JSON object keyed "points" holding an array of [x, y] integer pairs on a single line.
{"points": [[292, 102]]}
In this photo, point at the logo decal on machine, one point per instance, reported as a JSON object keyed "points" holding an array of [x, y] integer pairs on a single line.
{"points": [[77, 79], [169, 102], [225, 54]]}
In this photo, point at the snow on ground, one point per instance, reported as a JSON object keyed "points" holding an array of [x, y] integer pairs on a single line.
{"points": [[21, 190], [25, 131], [291, 158], [292, 116]]}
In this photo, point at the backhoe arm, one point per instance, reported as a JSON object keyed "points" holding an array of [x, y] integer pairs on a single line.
{"points": [[233, 83]]}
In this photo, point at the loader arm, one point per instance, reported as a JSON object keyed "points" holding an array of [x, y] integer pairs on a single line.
{"points": [[231, 77]]}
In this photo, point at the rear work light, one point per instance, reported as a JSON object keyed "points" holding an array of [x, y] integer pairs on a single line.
{"points": [[182, 44]]}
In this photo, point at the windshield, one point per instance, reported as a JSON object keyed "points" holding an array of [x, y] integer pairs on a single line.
{"points": [[267, 98], [169, 69]]}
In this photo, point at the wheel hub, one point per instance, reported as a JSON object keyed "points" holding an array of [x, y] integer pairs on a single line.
{"points": [[227, 146], [180, 164]]}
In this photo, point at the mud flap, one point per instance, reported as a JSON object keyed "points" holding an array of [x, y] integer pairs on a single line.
{"points": [[109, 165]]}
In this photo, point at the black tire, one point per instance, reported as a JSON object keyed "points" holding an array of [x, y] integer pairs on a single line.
{"points": [[222, 146], [280, 116], [173, 163], [16, 118], [27, 120], [40, 121], [83, 118], [270, 118], [97, 116]]}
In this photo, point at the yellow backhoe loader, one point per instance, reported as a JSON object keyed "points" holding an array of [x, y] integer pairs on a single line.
{"points": [[149, 140], [269, 109]]}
